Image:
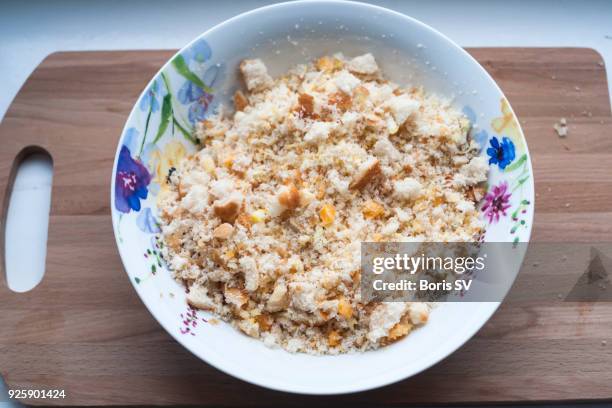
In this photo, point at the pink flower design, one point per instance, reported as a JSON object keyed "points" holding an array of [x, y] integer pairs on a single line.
{"points": [[190, 321], [496, 202]]}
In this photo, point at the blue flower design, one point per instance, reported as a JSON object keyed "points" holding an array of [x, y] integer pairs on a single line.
{"points": [[131, 181], [502, 153], [130, 138], [197, 111], [198, 99], [481, 139], [149, 99], [199, 51], [213, 74], [146, 222], [189, 93], [469, 113]]}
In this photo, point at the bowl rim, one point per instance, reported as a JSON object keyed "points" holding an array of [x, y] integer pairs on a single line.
{"points": [[375, 382]]}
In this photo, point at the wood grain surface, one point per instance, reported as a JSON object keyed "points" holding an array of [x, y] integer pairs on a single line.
{"points": [[83, 328]]}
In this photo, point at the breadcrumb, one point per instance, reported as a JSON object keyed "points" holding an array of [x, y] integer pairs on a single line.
{"points": [[263, 224]]}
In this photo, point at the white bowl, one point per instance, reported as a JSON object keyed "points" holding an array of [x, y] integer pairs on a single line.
{"points": [[283, 35]]}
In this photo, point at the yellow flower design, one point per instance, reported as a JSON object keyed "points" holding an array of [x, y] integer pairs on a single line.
{"points": [[161, 161], [507, 125]]}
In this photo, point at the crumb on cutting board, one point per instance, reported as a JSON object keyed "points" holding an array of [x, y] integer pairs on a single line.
{"points": [[561, 127]]}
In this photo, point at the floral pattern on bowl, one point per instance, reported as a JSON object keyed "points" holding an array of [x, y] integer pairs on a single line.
{"points": [[158, 134]]}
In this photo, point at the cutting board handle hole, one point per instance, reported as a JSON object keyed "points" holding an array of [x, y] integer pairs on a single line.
{"points": [[26, 215]]}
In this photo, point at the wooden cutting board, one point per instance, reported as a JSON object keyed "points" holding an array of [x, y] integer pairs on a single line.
{"points": [[84, 330]]}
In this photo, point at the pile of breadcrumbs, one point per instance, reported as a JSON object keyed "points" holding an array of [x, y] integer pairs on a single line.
{"points": [[264, 224]]}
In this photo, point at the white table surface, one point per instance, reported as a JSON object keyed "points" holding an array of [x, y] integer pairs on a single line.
{"points": [[31, 30]]}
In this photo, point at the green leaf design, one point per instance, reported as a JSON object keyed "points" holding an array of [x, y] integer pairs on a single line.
{"points": [[520, 183], [184, 131], [181, 67], [137, 279], [516, 164], [144, 137], [166, 81], [166, 113]]}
